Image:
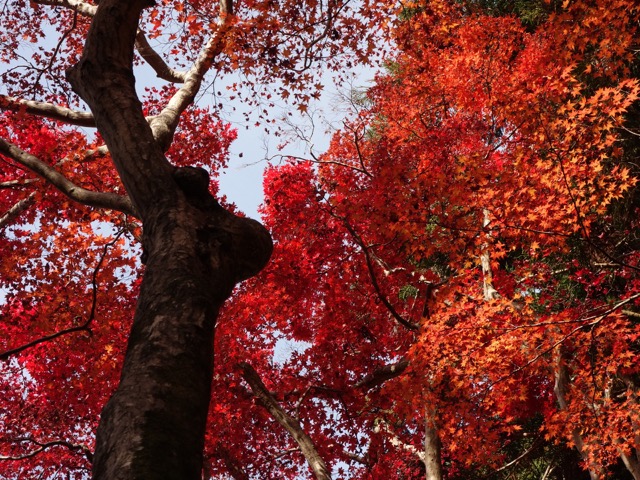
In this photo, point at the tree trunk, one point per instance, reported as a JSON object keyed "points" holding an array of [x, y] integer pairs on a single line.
{"points": [[560, 388], [490, 293], [153, 426], [432, 456], [631, 462]]}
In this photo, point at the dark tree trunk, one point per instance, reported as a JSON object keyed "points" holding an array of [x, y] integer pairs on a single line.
{"points": [[153, 426]]}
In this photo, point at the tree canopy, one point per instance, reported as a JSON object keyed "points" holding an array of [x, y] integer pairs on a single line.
{"points": [[453, 289]]}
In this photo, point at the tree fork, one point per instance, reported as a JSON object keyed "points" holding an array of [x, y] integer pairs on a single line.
{"points": [[153, 426]]}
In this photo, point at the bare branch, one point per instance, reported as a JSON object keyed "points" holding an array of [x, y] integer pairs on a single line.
{"points": [[87, 197], [18, 183], [382, 374], [42, 446], [536, 442], [381, 425], [156, 62], [289, 423], [164, 125], [48, 110], [79, 328], [597, 319]]}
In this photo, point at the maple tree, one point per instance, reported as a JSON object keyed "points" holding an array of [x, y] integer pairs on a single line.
{"points": [[453, 288], [460, 268], [71, 237]]}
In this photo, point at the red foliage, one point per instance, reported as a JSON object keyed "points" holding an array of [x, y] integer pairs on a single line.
{"points": [[466, 250]]}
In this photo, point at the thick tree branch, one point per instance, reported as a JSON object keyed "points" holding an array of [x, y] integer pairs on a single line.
{"points": [[560, 389], [48, 110], [432, 446], [290, 424], [81, 195], [164, 125], [156, 62]]}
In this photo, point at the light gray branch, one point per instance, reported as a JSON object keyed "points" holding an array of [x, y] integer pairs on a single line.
{"points": [[75, 5], [156, 62], [48, 110], [164, 125], [289, 423], [17, 209]]}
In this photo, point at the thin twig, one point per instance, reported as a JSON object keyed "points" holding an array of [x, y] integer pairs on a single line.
{"points": [[42, 446], [79, 328]]}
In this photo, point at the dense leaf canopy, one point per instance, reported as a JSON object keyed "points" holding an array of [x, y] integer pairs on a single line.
{"points": [[455, 283]]}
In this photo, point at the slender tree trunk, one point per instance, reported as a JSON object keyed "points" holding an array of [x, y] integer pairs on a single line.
{"points": [[153, 426], [432, 456], [490, 293], [290, 424], [560, 388], [631, 459], [631, 462]]}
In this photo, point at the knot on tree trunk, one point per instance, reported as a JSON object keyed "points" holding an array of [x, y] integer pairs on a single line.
{"points": [[240, 245]]}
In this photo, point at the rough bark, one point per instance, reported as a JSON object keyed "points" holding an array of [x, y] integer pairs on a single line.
{"points": [[153, 426]]}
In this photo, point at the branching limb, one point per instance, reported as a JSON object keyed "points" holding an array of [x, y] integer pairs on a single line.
{"points": [[86, 197], [355, 457], [48, 110], [42, 446], [535, 444], [374, 280], [289, 423], [382, 426], [164, 125]]}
